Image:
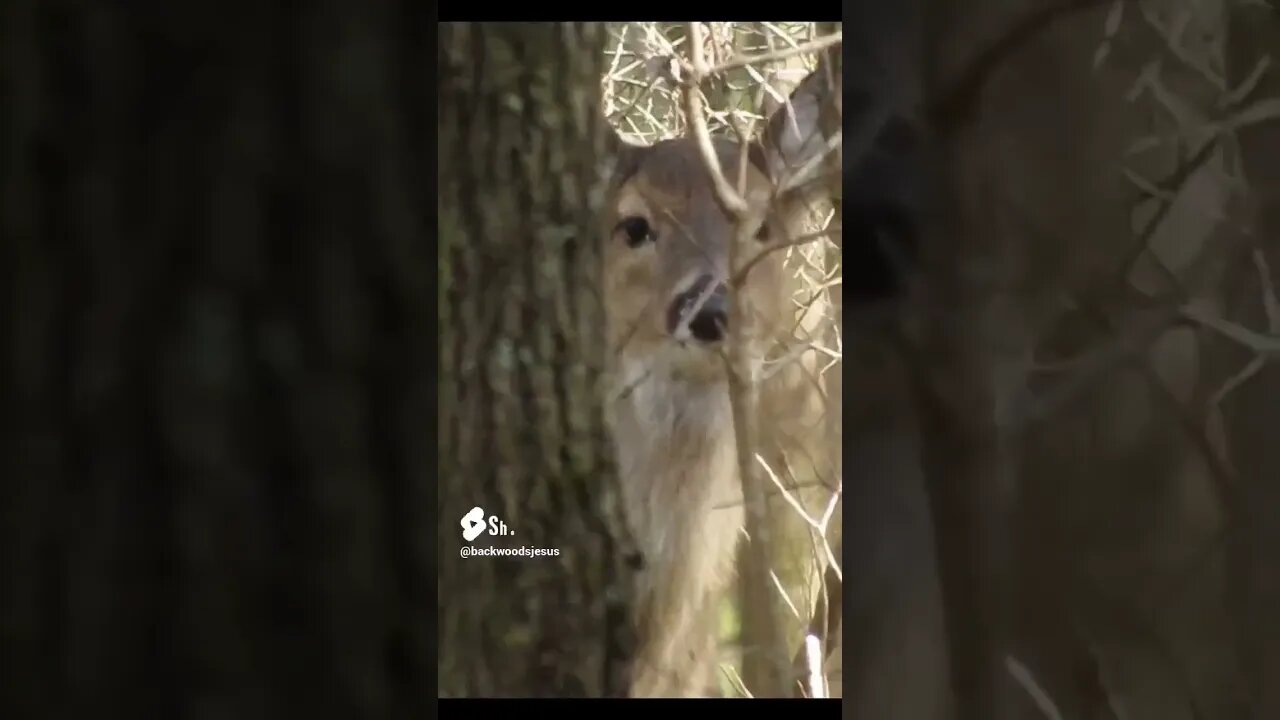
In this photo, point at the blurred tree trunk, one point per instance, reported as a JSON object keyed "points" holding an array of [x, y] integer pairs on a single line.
{"points": [[966, 462], [522, 433], [967, 476], [217, 364], [893, 625], [894, 632], [1252, 413]]}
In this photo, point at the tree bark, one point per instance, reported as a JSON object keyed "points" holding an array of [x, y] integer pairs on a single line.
{"points": [[522, 433], [217, 364]]}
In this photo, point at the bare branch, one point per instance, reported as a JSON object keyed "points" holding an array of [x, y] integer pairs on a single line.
{"points": [[1089, 368], [825, 623], [807, 171], [1261, 343], [728, 197], [1172, 37], [741, 275], [810, 47], [1271, 306], [1028, 682], [813, 650]]}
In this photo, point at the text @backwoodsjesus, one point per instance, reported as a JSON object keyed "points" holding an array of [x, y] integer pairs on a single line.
{"points": [[526, 551], [474, 524]]}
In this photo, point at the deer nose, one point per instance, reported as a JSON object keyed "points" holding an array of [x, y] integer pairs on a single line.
{"points": [[703, 309], [710, 324]]}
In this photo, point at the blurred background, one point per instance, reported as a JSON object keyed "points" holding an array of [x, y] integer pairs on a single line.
{"points": [[215, 235]]}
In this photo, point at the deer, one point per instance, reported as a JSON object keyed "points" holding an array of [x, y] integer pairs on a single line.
{"points": [[667, 294]]}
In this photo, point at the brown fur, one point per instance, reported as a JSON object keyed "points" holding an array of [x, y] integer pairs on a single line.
{"points": [[669, 406]]}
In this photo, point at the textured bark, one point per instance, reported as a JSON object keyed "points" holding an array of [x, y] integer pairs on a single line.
{"points": [[522, 433], [215, 246]]}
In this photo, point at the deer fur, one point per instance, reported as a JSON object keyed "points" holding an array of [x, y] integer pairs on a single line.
{"points": [[668, 398]]}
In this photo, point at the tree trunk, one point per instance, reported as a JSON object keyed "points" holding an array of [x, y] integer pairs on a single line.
{"points": [[893, 624], [218, 362], [522, 433], [965, 459]]}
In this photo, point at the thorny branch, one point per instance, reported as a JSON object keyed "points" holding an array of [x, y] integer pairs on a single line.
{"points": [[1264, 344], [1271, 306], [1139, 337], [805, 174], [772, 671], [807, 48], [733, 203], [761, 627], [740, 276]]}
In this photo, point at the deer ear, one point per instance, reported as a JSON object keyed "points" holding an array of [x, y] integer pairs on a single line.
{"points": [[624, 155], [794, 134]]}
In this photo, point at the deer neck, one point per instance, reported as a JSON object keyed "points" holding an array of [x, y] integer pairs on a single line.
{"points": [[676, 450]]}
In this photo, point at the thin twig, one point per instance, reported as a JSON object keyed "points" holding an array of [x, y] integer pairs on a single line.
{"points": [[1028, 682], [825, 623], [809, 47], [728, 197], [741, 275], [1260, 343], [813, 648], [806, 172], [1271, 306]]}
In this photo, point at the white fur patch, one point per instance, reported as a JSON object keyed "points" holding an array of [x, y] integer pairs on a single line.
{"points": [[677, 459]]}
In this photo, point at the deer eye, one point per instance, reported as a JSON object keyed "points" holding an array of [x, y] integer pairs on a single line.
{"points": [[762, 235], [637, 231]]}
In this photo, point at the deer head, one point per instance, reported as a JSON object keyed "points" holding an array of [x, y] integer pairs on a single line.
{"points": [[666, 251]]}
